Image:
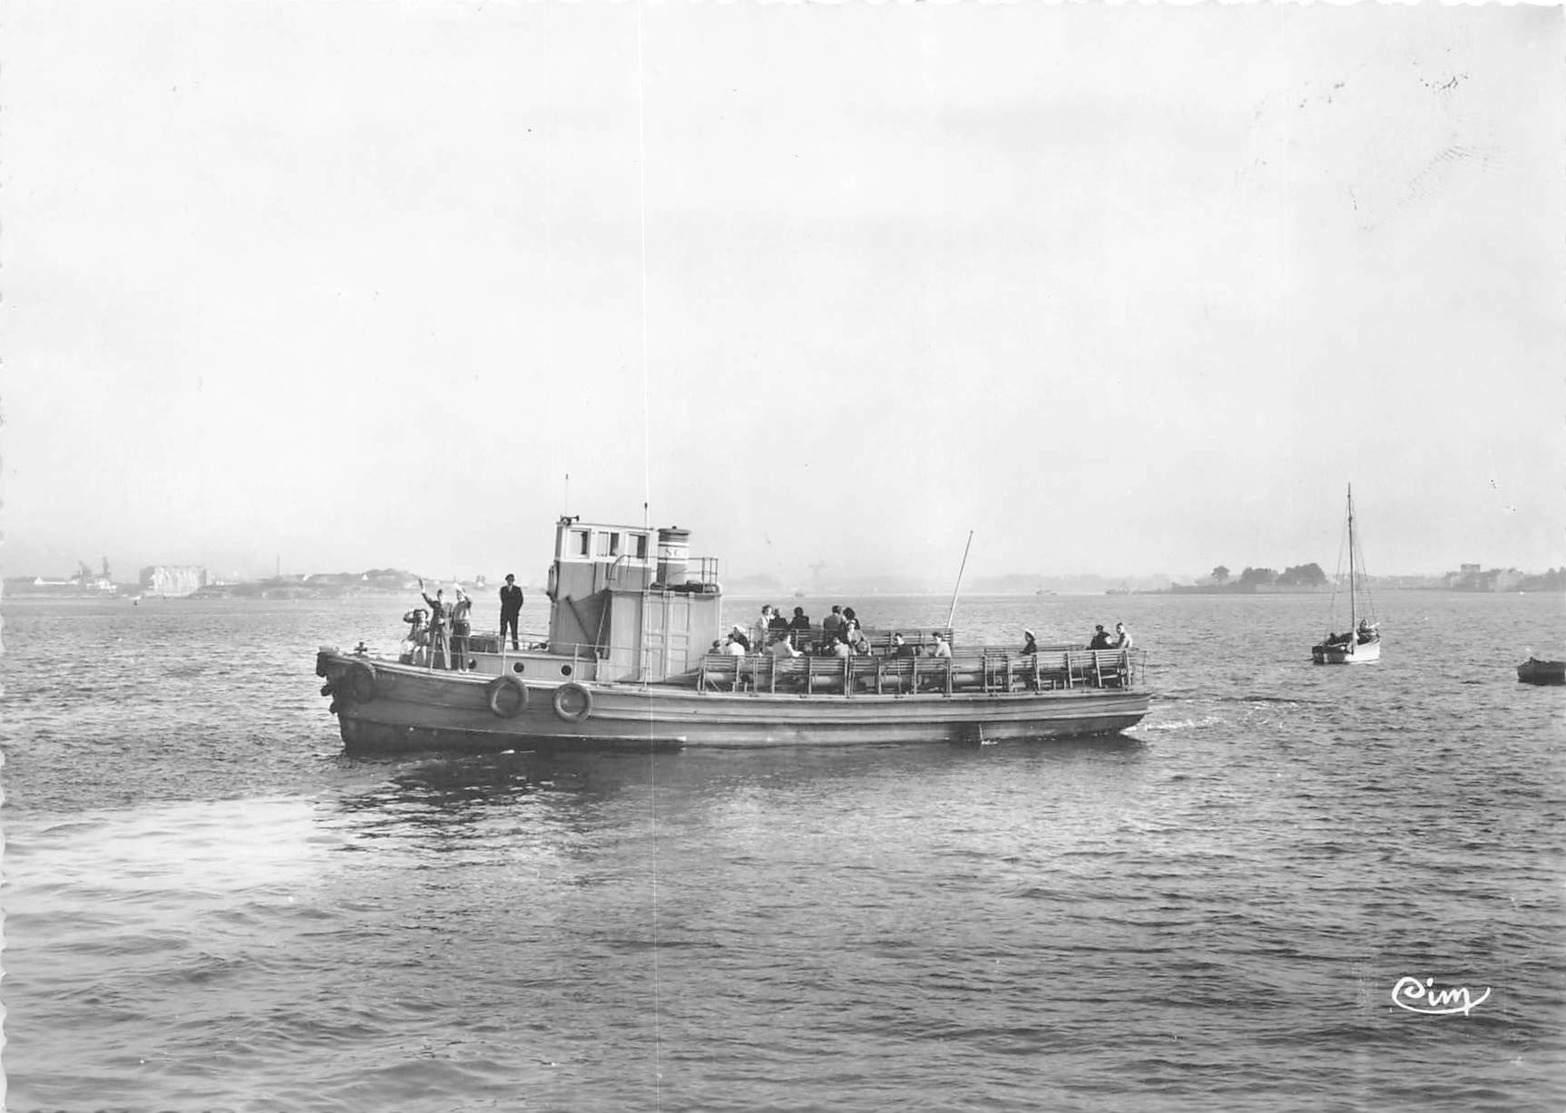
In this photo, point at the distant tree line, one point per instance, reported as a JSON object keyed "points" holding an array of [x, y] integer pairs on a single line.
{"points": [[1300, 575], [1553, 580]]}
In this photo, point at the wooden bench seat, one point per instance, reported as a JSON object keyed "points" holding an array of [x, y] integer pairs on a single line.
{"points": [[976, 670]]}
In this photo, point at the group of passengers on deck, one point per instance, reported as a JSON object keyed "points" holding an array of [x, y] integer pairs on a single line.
{"points": [[840, 635]]}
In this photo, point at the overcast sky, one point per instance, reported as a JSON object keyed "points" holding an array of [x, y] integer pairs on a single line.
{"points": [[1123, 290]]}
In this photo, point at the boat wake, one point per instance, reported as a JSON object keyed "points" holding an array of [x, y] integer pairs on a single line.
{"points": [[1247, 699], [1146, 727]]}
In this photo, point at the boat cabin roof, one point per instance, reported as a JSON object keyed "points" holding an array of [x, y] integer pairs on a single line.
{"points": [[587, 542]]}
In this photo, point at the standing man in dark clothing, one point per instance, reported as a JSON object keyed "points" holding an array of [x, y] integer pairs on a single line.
{"points": [[510, 609]]}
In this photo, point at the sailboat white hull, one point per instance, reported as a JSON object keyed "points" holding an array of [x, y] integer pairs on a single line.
{"points": [[1346, 655]]}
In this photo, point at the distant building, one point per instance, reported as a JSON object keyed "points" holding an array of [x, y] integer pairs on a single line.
{"points": [[1507, 579], [1468, 577], [173, 579], [1472, 577], [85, 582]]}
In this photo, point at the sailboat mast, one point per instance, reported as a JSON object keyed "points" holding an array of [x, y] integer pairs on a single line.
{"points": [[1353, 616]]}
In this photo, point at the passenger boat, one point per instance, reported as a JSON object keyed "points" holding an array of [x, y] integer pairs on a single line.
{"points": [[1535, 671], [629, 662], [1361, 643]]}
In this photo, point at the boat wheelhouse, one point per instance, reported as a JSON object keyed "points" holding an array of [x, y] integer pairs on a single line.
{"points": [[631, 661]]}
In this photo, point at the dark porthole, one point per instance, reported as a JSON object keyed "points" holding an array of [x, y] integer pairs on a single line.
{"points": [[519, 667]]}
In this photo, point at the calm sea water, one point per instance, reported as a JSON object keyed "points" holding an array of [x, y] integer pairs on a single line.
{"points": [[208, 907]]}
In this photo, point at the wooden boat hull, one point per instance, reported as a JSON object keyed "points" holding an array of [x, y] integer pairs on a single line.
{"points": [[1535, 671], [1364, 654], [387, 707]]}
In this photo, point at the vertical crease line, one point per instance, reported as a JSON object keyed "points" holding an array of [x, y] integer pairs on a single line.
{"points": [[652, 751]]}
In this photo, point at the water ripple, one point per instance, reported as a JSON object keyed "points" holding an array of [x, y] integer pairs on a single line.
{"points": [[209, 907]]}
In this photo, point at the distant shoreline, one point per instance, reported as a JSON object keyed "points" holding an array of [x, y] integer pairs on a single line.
{"points": [[32, 598], [42, 599]]}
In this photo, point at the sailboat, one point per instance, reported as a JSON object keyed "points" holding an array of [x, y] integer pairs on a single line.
{"points": [[1361, 643]]}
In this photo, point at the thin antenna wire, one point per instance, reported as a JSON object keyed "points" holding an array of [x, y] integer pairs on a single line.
{"points": [[641, 167], [953, 614]]}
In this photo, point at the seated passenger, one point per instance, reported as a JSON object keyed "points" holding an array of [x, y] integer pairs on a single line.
{"points": [[1028, 644], [732, 647], [855, 636], [737, 635], [938, 647], [1122, 637], [840, 648], [417, 638], [1100, 639], [783, 648]]}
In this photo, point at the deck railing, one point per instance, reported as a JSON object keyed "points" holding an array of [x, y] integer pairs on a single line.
{"points": [[532, 644], [984, 671]]}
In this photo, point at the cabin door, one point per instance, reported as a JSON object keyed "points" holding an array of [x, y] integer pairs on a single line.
{"points": [[666, 636]]}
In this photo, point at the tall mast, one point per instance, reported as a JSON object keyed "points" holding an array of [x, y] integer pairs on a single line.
{"points": [[1353, 617]]}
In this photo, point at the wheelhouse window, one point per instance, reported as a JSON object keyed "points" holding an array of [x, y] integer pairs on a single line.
{"points": [[609, 543], [581, 543], [639, 546]]}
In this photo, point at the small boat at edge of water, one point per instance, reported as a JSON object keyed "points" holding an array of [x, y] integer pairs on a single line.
{"points": [[1360, 644], [1535, 671]]}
